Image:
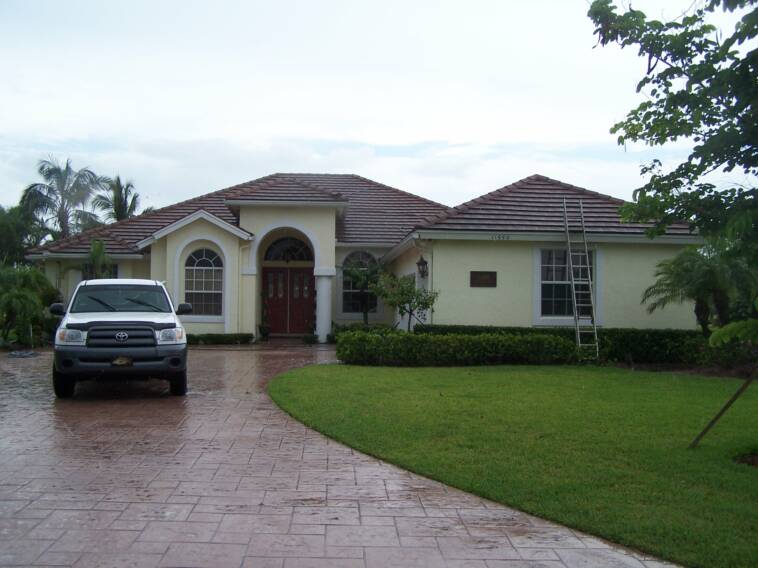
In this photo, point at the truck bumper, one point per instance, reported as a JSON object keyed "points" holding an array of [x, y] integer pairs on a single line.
{"points": [[83, 362]]}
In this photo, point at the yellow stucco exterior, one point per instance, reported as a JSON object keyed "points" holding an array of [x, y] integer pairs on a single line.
{"points": [[510, 303], [623, 271]]}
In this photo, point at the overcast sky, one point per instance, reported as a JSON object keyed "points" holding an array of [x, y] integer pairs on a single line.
{"points": [[444, 99]]}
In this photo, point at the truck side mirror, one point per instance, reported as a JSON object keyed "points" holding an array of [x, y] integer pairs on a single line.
{"points": [[57, 309], [183, 309]]}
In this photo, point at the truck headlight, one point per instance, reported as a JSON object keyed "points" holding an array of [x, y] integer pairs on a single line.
{"points": [[171, 335], [70, 337]]}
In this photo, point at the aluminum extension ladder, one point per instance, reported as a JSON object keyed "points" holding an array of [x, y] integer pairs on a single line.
{"points": [[580, 269]]}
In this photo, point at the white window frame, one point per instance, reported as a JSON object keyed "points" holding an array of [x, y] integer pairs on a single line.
{"points": [[205, 318], [564, 321]]}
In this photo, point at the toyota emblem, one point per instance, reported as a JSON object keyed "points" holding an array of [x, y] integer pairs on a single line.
{"points": [[122, 336]]}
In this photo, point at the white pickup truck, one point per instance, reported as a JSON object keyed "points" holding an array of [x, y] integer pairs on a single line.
{"points": [[120, 327]]}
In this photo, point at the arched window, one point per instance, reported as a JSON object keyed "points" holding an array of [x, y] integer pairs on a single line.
{"points": [[287, 249], [203, 282], [355, 298]]}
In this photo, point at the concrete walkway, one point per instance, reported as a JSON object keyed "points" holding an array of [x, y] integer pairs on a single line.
{"points": [[125, 475]]}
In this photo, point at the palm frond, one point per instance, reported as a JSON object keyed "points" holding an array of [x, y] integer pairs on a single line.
{"points": [[86, 220]]}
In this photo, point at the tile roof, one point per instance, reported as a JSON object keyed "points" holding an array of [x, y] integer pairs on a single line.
{"points": [[122, 237], [375, 213], [283, 187], [535, 204]]}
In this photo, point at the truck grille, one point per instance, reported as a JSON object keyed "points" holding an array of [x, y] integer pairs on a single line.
{"points": [[112, 336]]}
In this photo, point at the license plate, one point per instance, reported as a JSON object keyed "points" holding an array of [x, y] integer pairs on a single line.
{"points": [[122, 361]]}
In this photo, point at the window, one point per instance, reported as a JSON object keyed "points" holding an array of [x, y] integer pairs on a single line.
{"points": [[353, 298], [555, 285], [482, 279], [120, 298], [288, 249], [88, 272], [203, 282]]}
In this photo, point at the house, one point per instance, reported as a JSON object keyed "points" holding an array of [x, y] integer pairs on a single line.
{"points": [[272, 249]]}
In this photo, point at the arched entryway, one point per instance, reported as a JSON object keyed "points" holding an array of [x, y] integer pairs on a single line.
{"points": [[288, 287]]}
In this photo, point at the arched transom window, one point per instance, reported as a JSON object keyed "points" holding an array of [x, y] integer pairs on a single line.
{"points": [[355, 298], [203, 282], [288, 249]]}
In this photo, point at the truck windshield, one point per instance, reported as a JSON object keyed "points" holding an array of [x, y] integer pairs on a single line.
{"points": [[120, 298]]}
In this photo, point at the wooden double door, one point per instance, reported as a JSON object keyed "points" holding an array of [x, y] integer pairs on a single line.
{"points": [[290, 299]]}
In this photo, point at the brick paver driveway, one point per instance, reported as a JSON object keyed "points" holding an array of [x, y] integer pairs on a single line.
{"points": [[126, 475]]}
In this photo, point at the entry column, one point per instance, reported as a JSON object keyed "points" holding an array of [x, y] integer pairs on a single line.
{"points": [[324, 279]]}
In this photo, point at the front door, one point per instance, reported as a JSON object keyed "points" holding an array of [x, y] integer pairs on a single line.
{"points": [[289, 297]]}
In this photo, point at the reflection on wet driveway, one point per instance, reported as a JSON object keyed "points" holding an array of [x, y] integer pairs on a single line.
{"points": [[124, 474]]}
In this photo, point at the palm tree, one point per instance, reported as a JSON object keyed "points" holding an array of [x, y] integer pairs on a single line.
{"points": [[61, 200], [118, 200], [99, 262], [705, 276]]}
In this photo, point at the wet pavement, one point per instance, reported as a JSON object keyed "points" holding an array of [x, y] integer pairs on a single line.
{"points": [[126, 475]]}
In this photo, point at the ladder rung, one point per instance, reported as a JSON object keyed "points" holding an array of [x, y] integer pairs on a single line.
{"points": [[576, 244]]}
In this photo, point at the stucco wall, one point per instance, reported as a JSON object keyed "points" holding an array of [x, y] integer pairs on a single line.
{"points": [[405, 265], [64, 275], [623, 272], [158, 262], [316, 223], [178, 246], [510, 303], [627, 271]]}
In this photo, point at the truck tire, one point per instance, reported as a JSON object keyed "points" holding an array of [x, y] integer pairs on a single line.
{"points": [[178, 383], [63, 386]]}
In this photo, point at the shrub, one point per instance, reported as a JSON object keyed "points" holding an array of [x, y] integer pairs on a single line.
{"points": [[415, 350], [337, 329], [24, 292], [627, 345], [652, 346], [443, 329], [219, 338]]}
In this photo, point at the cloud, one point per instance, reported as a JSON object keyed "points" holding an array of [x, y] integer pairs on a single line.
{"points": [[165, 170], [443, 98]]}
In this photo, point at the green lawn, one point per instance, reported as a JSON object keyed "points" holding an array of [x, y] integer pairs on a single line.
{"points": [[600, 449]]}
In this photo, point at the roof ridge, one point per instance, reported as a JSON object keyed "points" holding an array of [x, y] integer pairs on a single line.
{"points": [[467, 205], [308, 185], [575, 187], [396, 190]]}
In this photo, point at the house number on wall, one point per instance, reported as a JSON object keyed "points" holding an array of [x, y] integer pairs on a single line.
{"points": [[501, 237]]}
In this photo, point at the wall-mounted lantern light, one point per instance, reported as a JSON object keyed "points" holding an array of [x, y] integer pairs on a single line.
{"points": [[423, 267]]}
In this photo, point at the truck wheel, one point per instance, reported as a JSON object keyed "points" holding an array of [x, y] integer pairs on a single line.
{"points": [[63, 386], [178, 383]]}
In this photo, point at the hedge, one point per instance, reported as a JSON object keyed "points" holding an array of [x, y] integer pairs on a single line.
{"points": [[417, 350], [339, 328], [627, 345], [219, 338]]}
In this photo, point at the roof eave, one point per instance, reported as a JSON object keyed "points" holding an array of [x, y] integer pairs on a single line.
{"points": [[400, 247], [46, 255], [552, 236], [285, 203], [184, 221]]}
